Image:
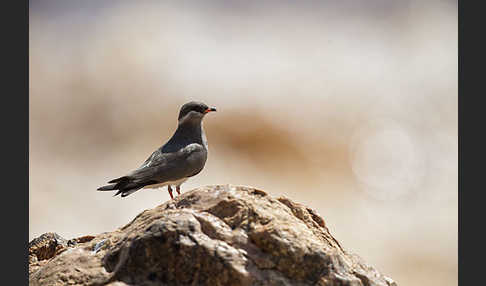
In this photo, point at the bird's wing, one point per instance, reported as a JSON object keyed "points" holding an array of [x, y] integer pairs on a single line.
{"points": [[161, 167]]}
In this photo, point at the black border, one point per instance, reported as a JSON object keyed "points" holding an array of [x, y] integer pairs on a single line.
{"points": [[470, 142], [460, 104], [15, 141]]}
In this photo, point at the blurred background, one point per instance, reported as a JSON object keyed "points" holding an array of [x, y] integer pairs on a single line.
{"points": [[349, 107]]}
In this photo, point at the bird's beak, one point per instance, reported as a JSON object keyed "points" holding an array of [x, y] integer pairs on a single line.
{"points": [[209, 110]]}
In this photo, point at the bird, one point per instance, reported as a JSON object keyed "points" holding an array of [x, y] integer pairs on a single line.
{"points": [[183, 156]]}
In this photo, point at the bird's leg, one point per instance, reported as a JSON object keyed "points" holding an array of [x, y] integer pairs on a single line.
{"points": [[178, 189], [170, 191]]}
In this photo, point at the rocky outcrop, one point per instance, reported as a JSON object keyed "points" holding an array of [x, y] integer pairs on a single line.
{"points": [[217, 235]]}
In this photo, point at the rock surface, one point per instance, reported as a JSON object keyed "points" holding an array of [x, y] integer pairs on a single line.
{"points": [[217, 235]]}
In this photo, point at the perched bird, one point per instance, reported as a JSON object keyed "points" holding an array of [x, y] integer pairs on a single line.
{"points": [[183, 156]]}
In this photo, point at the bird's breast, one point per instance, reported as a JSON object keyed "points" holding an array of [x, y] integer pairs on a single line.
{"points": [[203, 138]]}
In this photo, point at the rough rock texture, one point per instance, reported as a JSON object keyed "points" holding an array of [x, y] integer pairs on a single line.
{"points": [[218, 235]]}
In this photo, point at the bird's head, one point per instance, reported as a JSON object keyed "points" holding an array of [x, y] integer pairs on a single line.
{"points": [[194, 111]]}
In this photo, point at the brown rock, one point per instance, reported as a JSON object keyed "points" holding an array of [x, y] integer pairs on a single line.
{"points": [[218, 235], [46, 246]]}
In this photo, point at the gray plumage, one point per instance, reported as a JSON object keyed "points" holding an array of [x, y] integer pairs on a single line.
{"points": [[183, 156]]}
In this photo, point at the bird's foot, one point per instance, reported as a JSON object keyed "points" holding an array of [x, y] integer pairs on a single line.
{"points": [[170, 191], [178, 189]]}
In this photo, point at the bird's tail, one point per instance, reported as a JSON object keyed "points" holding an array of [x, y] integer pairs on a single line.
{"points": [[123, 185], [125, 193], [110, 187]]}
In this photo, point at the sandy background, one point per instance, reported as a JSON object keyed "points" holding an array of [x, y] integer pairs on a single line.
{"points": [[349, 107]]}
